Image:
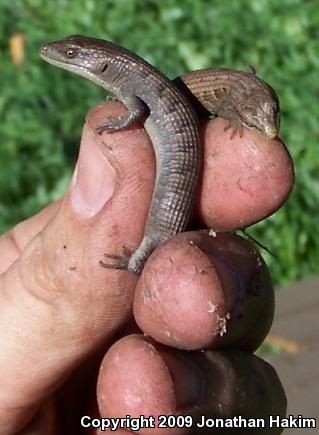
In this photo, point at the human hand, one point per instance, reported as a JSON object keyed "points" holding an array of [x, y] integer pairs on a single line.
{"points": [[60, 311]]}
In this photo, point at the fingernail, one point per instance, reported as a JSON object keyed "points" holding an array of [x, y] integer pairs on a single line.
{"points": [[94, 178], [187, 379]]}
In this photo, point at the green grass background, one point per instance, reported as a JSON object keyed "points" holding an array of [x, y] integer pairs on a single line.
{"points": [[42, 108]]}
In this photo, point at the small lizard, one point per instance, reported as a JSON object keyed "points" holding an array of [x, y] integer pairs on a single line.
{"points": [[241, 97], [170, 120]]}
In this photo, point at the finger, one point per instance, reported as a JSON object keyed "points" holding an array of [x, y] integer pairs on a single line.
{"points": [[141, 379], [199, 290], [245, 178], [57, 305], [240, 384], [200, 385]]}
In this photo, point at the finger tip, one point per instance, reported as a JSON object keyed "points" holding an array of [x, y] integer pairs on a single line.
{"points": [[173, 296], [196, 292], [246, 179], [124, 381]]}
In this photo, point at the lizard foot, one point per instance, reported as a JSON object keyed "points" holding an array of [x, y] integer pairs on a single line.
{"points": [[121, 261], [111, 124], [236, 127], [111, 98]]}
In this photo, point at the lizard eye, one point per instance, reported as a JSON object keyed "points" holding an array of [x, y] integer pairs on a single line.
{"points": [[104, 67], [70, 53]]}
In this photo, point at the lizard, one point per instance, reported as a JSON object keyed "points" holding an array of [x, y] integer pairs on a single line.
{"points": [[241, 97], [170, 111]]}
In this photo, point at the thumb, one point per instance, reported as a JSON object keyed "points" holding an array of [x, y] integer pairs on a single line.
{"points": [[56, 304]]}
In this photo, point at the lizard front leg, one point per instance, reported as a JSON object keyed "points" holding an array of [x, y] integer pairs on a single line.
{"points": [[137, 111]]}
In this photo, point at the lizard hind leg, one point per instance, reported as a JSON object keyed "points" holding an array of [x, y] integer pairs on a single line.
{"points": [[132, 262]]}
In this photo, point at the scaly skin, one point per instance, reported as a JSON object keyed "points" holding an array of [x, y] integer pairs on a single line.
{"points": [[239, 96], [171, 122]]}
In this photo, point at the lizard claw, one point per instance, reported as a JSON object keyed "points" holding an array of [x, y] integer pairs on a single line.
{"points": [[228, 126], [233, 133], [121, 261]]}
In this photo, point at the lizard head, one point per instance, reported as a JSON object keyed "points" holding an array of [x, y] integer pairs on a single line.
{"points": [[85, 56], [260, 111]]}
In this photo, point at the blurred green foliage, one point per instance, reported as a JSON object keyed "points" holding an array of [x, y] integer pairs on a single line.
{"points": [[42, 108]]}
